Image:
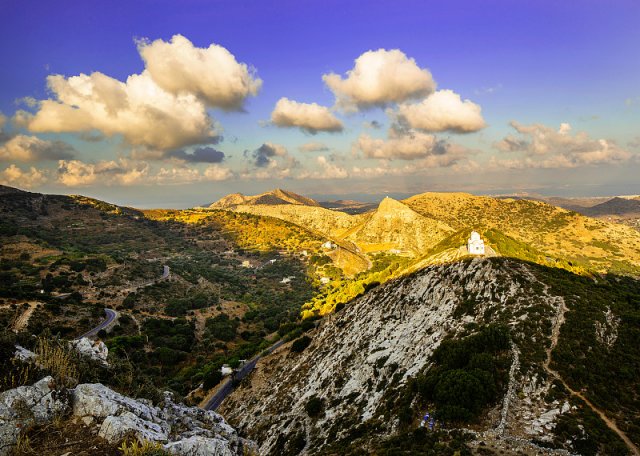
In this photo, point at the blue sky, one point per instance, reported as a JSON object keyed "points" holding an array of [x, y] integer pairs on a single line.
{"points": [[540, 64]]}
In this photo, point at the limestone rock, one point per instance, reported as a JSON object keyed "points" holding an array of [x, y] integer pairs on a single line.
{"points": [[115, 428], [200, 446], [95, 350], [27, 405]]}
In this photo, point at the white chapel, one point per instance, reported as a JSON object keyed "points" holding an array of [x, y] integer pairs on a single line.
{"points": [[475, 244]]}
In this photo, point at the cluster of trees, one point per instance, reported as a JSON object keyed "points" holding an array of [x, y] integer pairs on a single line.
{"points": [[468, 374]]}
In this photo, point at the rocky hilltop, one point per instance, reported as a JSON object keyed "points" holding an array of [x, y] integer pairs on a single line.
{"points": [[351, 388], [393, 225], [104, 417]]}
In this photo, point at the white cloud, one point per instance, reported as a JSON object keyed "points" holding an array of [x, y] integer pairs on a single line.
{"points": [[544, 147], [212, 74], [325, 169], [410, 145], [379, 78], [443, 110], [24, 148], [164, 107], [217, 173], [313, 147], [16, 177], [139, 110], [75, 173], [310, 117]]}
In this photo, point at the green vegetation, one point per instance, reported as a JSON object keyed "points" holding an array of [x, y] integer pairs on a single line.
{"points": [[300, 344], [468, 375], [384, 268]]}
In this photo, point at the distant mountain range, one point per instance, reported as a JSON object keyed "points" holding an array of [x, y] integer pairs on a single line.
{"points": [[417, 225]]}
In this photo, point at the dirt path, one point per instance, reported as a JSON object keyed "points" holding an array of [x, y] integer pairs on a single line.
{"points": [[21, 320], [555, 334]]}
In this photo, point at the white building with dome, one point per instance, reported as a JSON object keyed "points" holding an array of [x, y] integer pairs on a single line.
{"points": [[475, 244]]}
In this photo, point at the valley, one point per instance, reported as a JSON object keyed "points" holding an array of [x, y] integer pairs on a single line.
{"points": [[349, 313]]}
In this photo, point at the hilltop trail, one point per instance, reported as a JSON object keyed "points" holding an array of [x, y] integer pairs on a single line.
{"points": [[555, 333]]}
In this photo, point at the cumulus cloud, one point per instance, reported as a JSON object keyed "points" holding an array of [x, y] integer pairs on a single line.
{"points": [[16, 177], [76, 173], [264, 156], [199, 155], [408, 144], [212, 74], [139, 110], [24, 148], [310, 117], [443, 110], [313, 147], [545, 147], [379, 78], [325, 168], [190, 175], [164, 107]]}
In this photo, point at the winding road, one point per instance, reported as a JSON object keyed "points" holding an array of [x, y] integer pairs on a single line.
{"points": [[227, 387], [110, 316]]}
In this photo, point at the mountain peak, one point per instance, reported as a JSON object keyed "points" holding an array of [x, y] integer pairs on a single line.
{"points": [[273, 197]]}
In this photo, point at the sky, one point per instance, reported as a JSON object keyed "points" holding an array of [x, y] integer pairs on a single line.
{"points": [[175, 104]]}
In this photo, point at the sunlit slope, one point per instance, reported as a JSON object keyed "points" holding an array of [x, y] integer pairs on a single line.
{"points": [[557, 233], [324, 221], [272, 197], [396, 226]]}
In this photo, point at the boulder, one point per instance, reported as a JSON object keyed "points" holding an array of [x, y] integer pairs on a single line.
{"points": [[200, 446], [99, 401], [27, 405], [95, 350], [115, 428]]}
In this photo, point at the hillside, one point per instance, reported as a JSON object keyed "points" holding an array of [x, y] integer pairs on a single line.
{"points": [[63, 259], [394, 225], [486, 345], [565, 237], [273, 197]]}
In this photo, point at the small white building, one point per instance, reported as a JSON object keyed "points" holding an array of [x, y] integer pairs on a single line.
{"points": [[475, 244], [226, 370], [287, 279], [325, 280], [329, 245], [247, 264]]}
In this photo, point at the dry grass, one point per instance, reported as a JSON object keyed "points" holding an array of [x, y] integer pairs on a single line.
{"points": [[146, 448], [58, 360]]}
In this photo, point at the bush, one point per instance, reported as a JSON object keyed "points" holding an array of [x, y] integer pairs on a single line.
{"points": [[300, 344], [314, 406]]}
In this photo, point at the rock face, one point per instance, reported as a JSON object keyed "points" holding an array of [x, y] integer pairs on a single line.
{"points": [[377, 342], [28, 405], [183, 430]]}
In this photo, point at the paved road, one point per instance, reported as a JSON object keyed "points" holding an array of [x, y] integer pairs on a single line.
{"points": [[110, 316], [231, 381]]}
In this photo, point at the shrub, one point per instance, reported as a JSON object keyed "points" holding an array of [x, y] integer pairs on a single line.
{"points": [[314, 406], [300, 344]]}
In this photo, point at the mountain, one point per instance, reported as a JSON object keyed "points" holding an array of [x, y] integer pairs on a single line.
{"points": [[615, 207], [503, 349], [394, 225], [273, 197], [559, 235]]}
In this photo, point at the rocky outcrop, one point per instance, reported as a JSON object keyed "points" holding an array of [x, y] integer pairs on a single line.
{"points": [[29, 405], [182, 430], [95, 350]]}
